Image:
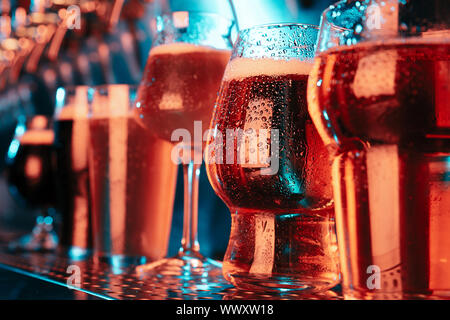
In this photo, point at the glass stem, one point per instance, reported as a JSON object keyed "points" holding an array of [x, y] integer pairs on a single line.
{"points": [[189, 242]]}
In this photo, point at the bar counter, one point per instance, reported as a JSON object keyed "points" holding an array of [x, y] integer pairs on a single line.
{"points": [[103, 281]]}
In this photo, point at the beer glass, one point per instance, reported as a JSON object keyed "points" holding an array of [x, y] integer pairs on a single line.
{"points": [[30, 172], [379, 97], [132, 181], [175, 100], [266, 161], [72, 176]]}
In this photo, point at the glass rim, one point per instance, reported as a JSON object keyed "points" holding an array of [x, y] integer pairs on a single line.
{"points": [[194, 12], [106, 87], [280, 25], [328, 20], [110, 86], [98, 109], [269, 26], [331, 22], [65, 97], [72, 87], [333, 6]]}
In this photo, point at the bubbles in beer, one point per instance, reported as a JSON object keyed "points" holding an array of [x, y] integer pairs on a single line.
{"points": [[127, 166], [179, 87], [375, 74], [266, 95], [384, 109]]}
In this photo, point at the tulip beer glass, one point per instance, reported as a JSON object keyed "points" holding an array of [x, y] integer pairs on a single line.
{"points": [[175, 100], [379, 96], [267, 162]]}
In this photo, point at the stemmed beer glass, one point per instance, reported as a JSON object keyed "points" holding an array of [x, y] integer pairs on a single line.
{"points": [[175, 100], [30, 171], [379, 97]]}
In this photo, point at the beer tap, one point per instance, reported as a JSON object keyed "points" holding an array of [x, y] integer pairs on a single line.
{"points": [[15, 48], [107, 43], [7, 45], [45, 24], [23, 40]]}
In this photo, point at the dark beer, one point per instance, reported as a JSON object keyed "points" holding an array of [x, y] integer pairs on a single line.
{"points": [[30, 170], [282, 223], [384, 112], [71, 146], [179, 86]]}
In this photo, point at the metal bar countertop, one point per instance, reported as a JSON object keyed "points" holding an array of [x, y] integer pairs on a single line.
{"points": [[104, 281]]}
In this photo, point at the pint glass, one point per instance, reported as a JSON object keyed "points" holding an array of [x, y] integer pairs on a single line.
{"points": [[132, 181], [379, 97], [72, 176], [175, 99]]}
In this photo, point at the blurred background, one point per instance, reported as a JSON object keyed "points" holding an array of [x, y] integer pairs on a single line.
{"points": [[38, 54]]}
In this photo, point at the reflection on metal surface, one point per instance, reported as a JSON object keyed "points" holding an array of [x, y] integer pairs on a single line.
{"points": [[99, 280]]}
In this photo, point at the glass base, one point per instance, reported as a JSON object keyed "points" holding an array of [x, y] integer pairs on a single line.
{"points": [[120, 261], [352, 294], [42, 238], [74, 253], [280, 283], [77, 254], [185, 265], [282, 251]]}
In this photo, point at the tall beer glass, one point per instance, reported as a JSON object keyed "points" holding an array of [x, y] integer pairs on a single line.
{"points": [[72, 176], [379, 97], [132, 181], [267, 162], [176, 99]]}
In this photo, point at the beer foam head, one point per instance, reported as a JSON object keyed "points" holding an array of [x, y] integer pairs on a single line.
{"points": [[240, 68], [113, 101], [67, 113], [179, 48], [38, 137], [72, 104], [70, 113]]}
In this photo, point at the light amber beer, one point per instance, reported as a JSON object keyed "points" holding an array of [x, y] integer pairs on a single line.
{"points": [[179, 86], [384, 111], [282, 234], [72, 177], [132, 188]]}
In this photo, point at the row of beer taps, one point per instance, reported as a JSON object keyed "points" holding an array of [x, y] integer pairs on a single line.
{"points": [[45, 44]]}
